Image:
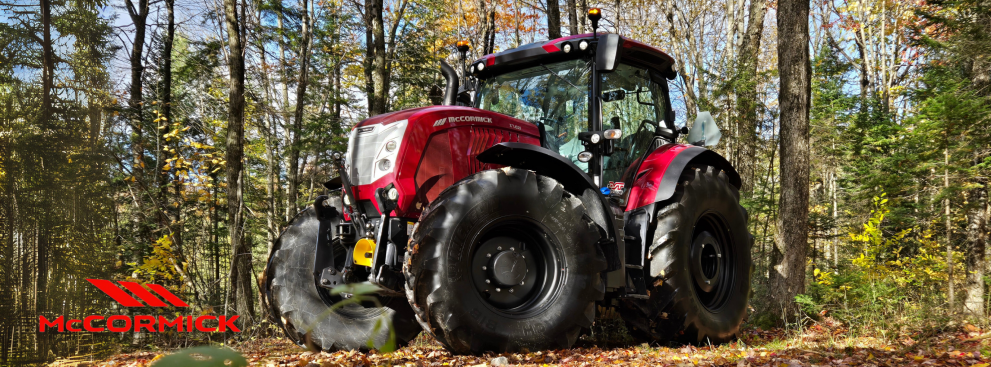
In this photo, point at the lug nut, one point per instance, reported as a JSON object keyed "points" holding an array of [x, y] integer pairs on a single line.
{"points": [[510, 290], [499, 248], [522, 283], [512, 249], [485, 268], [488, 255], [488, 281], [498, 290]]}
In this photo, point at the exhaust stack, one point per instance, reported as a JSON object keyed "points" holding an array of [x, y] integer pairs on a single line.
{"points": [[451, 91]]}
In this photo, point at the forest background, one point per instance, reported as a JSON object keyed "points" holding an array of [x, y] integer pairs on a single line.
{"points": [[170, 141]]}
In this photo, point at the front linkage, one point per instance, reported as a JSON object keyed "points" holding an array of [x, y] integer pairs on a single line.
{"points": [[385, 259]]}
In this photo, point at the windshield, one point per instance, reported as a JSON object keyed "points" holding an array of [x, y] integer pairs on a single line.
{"points": [[555, 94]]}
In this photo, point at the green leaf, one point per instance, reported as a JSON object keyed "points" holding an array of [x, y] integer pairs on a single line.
{"points": [[203, 357]]}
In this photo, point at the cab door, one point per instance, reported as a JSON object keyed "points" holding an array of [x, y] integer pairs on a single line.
{"points": [[636, 103]]}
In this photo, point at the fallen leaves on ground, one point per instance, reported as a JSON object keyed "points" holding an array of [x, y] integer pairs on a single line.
{"points": [[820, 345]]}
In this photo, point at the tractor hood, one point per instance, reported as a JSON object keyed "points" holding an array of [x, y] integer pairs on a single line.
{"points": [[423, 150]]}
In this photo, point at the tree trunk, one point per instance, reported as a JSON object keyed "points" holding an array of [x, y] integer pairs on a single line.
{"points": [[950, 292], [572, 18], [135, 103], [167, 114], [271, 145], [241, 274], [977, 238], [285, 104], [48, 62], [553, 19], [746, 101], [583, 10], [297, 124], [791, 245], [486, 13], [377, 100]]}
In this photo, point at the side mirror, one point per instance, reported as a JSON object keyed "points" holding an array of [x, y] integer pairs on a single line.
{"points": [[704, 131], [607, 53]]}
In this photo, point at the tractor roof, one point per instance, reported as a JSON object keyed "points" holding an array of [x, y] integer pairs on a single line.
{"points": [[631, 51]]}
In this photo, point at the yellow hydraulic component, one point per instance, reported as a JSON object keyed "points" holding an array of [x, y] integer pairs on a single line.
{"points": [[363, 251]]}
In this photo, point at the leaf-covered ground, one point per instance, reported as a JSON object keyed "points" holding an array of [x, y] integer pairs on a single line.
{"points": [[819, 345]]}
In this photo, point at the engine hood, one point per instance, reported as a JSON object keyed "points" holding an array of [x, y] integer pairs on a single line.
{"points": [[439, 145]]}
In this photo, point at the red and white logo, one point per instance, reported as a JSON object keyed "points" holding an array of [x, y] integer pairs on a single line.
{"points": [[126, 300], [138, 323], [616, 188]]}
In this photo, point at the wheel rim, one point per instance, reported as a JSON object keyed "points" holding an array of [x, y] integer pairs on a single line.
{"points": [[514, 266], [711, 261]]}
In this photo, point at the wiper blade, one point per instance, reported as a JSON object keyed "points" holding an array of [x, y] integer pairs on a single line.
{"points": [[556, 76]]}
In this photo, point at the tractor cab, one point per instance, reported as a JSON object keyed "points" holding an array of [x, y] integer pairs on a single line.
{"points": [[600, 100]]}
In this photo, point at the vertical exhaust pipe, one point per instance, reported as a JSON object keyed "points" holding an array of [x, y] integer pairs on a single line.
{"points": [[451, 90]]}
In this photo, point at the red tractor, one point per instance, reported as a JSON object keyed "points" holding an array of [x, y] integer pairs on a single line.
{"points": [[551, 183]]}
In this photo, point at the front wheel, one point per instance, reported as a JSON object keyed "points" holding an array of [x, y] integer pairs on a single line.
{"points": [[699, 265], [505, 261], [303, 307]]}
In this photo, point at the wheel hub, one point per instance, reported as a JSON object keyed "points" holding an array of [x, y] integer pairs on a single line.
{"points": [[507, 268], [512, 266], [707, 261]]}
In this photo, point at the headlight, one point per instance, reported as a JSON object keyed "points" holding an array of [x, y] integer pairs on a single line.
{"points": [[583, 45], [385, 165], [481, 66], [566, 47]]}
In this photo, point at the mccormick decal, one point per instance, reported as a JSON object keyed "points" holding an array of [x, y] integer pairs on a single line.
{"points": [[138, 323], [454, 119]]}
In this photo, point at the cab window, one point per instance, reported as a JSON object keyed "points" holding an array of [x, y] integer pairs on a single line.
{"points": [[635, 104]]}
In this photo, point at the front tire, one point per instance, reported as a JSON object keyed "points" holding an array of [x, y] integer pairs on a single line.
{"points": [[505, 261], [700, 265], [300, 304]]}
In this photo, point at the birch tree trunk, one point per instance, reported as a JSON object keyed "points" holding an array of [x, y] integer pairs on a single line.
{"points": [[950, 292], [977, 238]]}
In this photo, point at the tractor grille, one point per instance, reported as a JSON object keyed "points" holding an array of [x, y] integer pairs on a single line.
{"points": [[482, 139], [452, 155]]}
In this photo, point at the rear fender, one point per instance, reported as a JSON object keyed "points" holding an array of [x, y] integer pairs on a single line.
{"points": [[657, 177]]}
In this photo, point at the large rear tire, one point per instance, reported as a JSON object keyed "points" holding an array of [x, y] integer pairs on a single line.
{"points": [[700, 265], [300, 304], [505, 261]]}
